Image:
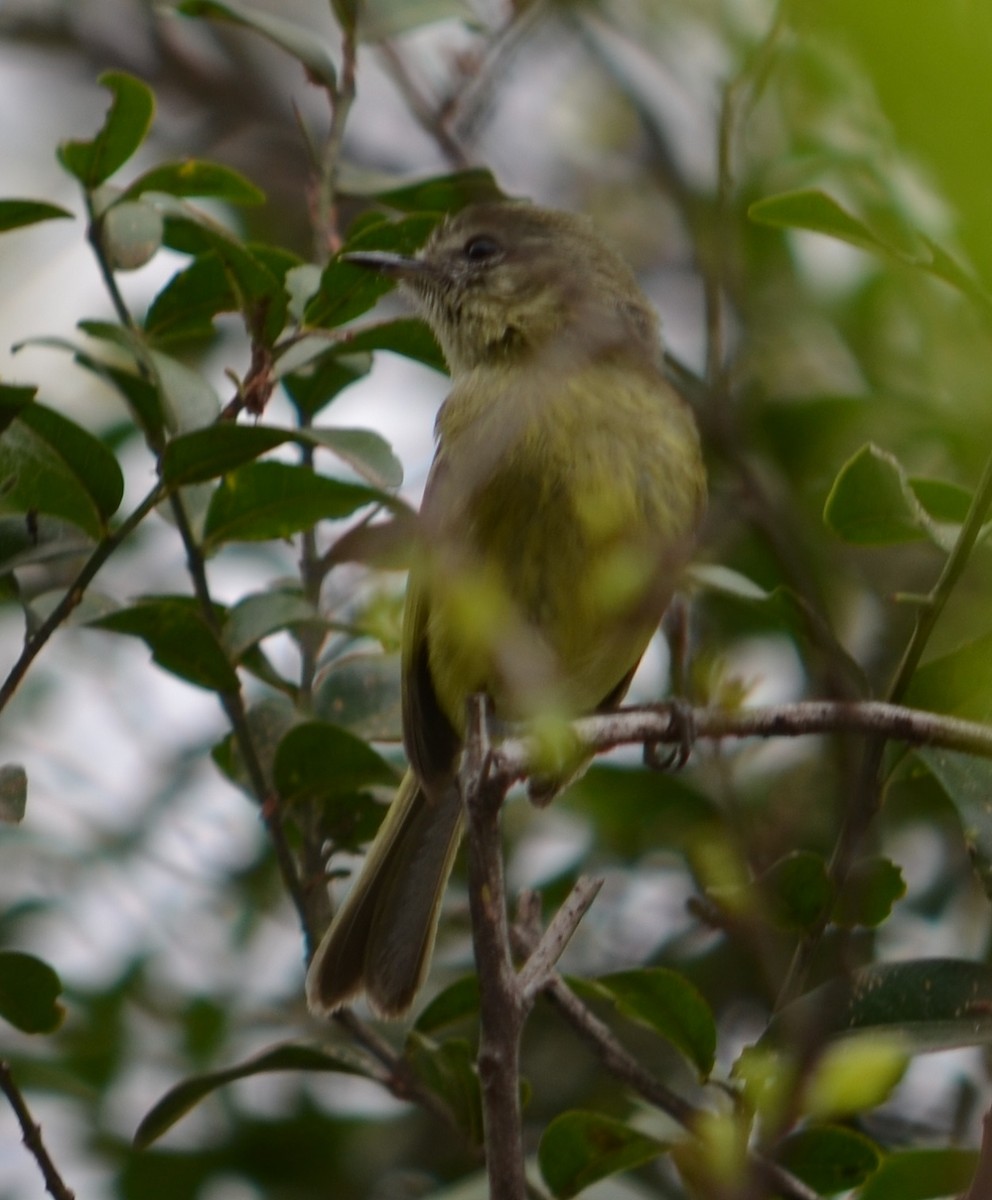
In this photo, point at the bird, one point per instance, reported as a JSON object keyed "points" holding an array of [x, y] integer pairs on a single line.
{"points": [[564, 498]]}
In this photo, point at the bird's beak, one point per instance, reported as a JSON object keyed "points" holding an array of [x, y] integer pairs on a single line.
{"points": [[395, 266]]}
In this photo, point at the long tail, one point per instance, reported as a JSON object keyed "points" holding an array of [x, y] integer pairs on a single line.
{"points": [[381, 940]]}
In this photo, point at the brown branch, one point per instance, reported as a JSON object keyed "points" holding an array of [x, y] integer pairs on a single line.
{"points": [[31, 1136], [540, 965], [501, 1007], [510, 760]]}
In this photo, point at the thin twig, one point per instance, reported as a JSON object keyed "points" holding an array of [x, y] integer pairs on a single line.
{"points": [[420, 107], [35, 641], [541, 963], [31, 1135]]}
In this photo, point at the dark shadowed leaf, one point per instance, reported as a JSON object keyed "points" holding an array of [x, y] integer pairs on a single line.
{"points": [[456, 1002], [921, 1175], [871, 502], [668, 1003], [127, 122], [443, 193], [29, 992], [288, 1057], [179, 638], [580, 1148], [829, 1158], [193, 177], [448, 1069], [267, 500], [319, 761], [407, 336], [361, 692], [15, 214], [869, 893], [264, 613], [927, 1004]]}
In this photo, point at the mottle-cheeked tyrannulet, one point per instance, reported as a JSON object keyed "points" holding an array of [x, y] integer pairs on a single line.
{"points": [[562, 502]]}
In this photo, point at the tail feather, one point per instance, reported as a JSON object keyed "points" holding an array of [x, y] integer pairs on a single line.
{"points": [[381, 940]]}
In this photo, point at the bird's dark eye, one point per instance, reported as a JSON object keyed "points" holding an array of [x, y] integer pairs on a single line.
{"points": [[481, 247]]}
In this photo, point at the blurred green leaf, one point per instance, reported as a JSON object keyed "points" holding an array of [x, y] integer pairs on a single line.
{"points": [[943, 501], [51, 465], [361, 692], [871, 889], [797, 890], [346, 290], [319, 761], [321, 380], [13, 793], [456, 1002], [266, 500], [15, 214], [579, 1148], [179, 638], [921, 1175], [127, 123], [669, 1004], [408, 336], [29, 992], [440, 194], [194, 177], [365, 451], [813, 210], [872, 503], [448, 1069], [258, 615], [297, 40], [382, 19], [828, 1158], [177, 1102], [928, 1004], [854, 1076], [967, 783]]}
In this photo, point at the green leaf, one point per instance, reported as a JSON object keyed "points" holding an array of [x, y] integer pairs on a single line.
{"points": [[13, 793], [872, 503], [131, 232], [290, 1056], [320, 381], [871, 889], [943, 501], [813, 210], [264, 613], [829, 1158], [297, 40], [854, 1076], [580, 1148], [179, 638], [216, 449], [448, 1069], [668, 1003], [797, 890], [268, 500], [407, 336], [921, 1175], [187, 305], [967, 782], [382, 19], [928, 1004], [347, 291], [361, 692], [51, 465], [442, 194], [128, 121], [194, 177], [15, 398], [456, 1002], [188, 401], [29, 992], [365, 451], [15, 214], [317, 761]]}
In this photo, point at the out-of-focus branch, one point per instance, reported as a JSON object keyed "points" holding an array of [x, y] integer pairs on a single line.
{"points": [[31, 1135]]}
